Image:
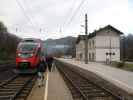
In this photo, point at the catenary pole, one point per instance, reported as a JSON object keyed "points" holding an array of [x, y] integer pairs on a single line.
{"points": [[86, 39]]}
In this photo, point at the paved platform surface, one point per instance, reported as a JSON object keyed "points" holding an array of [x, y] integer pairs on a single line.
{"points": [[57, 89], [38, 93], [54, 88], [121, 78]]}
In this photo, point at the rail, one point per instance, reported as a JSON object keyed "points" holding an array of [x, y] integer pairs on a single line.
{"points": [[82, 88], [13, 88]]}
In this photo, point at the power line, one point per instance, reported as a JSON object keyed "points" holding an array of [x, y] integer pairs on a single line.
{"points": [[35, 22], [76, 11], [24, 12], [69, 13], [25, 5]]}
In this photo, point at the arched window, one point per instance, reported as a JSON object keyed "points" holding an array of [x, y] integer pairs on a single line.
{"points": [[93, 43], [90, 44], [80, 55], [89, 57], [93, 56]]}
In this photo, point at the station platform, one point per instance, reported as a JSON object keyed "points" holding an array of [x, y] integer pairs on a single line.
{"points": [[121, 78], [54, 88], [57, 89]]}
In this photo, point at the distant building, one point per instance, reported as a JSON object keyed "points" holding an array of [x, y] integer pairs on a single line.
{"points": [[103, 45]]}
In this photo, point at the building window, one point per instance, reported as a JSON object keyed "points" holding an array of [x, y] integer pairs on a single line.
{"points": [[89, 57], [93, 43], [90, 44], [93, 56], [81, 55]]}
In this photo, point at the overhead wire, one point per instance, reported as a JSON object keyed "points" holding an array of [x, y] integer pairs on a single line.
{"points": [[69, 13], [66, 22], [27, 7], [25, 14], [75, 13]]}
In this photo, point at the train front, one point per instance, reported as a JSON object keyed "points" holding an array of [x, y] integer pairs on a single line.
{"points": [[27, 58]]}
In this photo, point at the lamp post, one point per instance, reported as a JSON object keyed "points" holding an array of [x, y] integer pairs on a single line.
{"points": [[109, 53], [110, 50]]}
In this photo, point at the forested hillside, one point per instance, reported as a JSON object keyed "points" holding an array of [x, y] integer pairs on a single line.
{"points": [[127, 48], [62, 46], [8, 43]]}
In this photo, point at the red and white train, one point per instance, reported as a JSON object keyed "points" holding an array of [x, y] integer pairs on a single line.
{"points": [[28, 55]]}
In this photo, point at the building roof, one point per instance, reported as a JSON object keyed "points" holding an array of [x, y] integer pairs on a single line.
{"points": [[80, 37], [109, 27]]}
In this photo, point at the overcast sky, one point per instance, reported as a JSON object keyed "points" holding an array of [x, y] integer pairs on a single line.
{"points": [[59, 18]]}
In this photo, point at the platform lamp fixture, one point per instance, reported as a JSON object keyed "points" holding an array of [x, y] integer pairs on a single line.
{"points": [[110, 53]]}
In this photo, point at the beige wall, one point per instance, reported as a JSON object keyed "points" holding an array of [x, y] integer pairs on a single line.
{"points": [[104, 42], [101, 55], [80, 50], [107, 41]]}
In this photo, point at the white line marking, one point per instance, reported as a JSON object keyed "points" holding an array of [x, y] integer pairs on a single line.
{"points": [[46, 87]]}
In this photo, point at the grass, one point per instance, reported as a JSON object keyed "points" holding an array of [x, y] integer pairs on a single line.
{"points": [[128, 67], [122, 65]]}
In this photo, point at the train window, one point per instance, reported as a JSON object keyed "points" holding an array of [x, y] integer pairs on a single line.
{"points": [[29, 41], [27, 47], [42, 53], [38, 53]]}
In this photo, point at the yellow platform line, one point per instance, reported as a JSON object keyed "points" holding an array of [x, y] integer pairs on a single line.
{"points": [[46, 87]]}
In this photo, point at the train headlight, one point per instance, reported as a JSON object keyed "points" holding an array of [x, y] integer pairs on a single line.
{"points": [[25, 55], [31, 54], [19, 54]]}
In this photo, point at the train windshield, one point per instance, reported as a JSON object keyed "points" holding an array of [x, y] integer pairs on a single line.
{"points": [[27, 47]]}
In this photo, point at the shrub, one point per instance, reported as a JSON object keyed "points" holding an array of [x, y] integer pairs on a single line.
{"points": [[120, 64]]}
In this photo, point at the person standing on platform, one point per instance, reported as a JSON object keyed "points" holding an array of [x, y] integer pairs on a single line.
{"points": [[40, 72], [49, 60]]}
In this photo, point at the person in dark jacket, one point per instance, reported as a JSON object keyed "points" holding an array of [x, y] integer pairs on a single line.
{"points": [[49, 61], [40, 71]]}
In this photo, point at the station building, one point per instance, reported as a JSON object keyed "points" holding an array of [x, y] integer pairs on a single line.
{"points": [[103, 45]]}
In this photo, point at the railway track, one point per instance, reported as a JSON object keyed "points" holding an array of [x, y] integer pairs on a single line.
{"points": [[82, 88], [5, 67], [6, 71], [16, 88]]}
